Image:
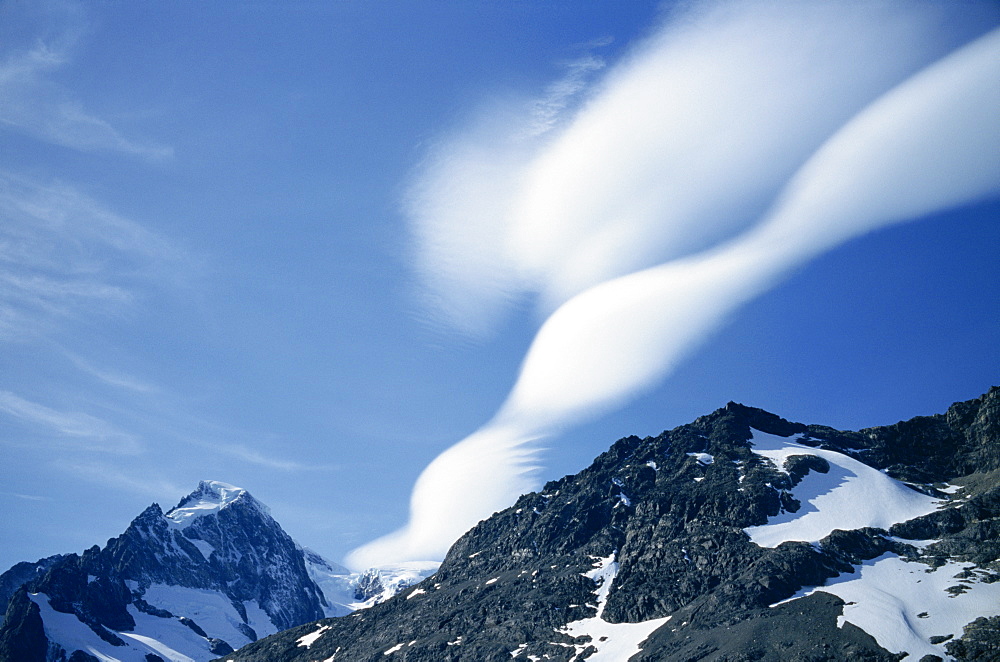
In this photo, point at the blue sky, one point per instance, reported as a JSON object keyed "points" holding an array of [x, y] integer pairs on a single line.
{"points": [[211, 259]]}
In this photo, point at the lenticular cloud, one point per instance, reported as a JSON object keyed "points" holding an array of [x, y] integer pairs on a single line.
{"points": [[738, 143]]}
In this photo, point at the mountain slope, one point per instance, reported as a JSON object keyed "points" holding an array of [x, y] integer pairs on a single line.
{"points": [[706, 542]]}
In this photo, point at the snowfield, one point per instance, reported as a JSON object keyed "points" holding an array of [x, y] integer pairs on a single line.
{"points": [[166, 637], [851, 495], [614, 641], [903, 604]]}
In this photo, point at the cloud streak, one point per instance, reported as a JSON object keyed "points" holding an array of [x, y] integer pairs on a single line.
{"points": [[63, 254], [73, 430], [32, 104], [739, 143]]}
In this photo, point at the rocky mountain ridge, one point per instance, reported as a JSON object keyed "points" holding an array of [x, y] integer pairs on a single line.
{"points": [[718, 540]]}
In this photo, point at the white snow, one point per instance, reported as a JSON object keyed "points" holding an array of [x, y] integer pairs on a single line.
{"points": [[167, 637], [919, 544], [215, 496], [203, 547], [851, 495], [308, 640], [614, 641], [417, 592], [396, 578], [951, 489], [652, 465], [338, 583], [258, 619], [902, 604], [703, 458], [492, 581], [211, 610], [335, 581], [394, 649], [72, 635]]}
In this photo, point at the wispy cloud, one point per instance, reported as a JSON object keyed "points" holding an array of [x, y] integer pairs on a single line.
{"points": [[254, 456], [27, 497], [740, 142], [31, 102], [70, 430], [111, 377], [63, 254], [547, 111], [112, 476]]}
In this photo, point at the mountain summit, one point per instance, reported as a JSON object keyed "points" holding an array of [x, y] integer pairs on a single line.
{"points": [[740, 536], [210, 497]]}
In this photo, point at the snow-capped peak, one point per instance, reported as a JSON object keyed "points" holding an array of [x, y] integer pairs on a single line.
{"points": [[210, 497]]}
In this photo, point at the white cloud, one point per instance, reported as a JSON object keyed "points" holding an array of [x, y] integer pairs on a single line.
{"points": [[803, 106], [680, 146]]}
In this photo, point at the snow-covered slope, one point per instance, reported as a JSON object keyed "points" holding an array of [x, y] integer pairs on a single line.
{"points": [[842, 494], [347, 591]]}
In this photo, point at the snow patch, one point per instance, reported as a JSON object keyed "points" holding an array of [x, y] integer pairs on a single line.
{"points": [[308, 640], [417, 592], [851, 495], [203, 547], [919, 544], [614, 641], [703, 458], [902, 604], [395, 648], [211, 610], [168, 638], [258, 619]]}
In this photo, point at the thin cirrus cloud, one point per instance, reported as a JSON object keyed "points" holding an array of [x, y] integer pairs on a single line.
{"points": [[33, 104], [877, 126], [111, 476], [72, 431], [63, 254]]}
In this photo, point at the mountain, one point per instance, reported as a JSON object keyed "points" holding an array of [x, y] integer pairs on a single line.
{"points": [[740, 536], [208, 576]]}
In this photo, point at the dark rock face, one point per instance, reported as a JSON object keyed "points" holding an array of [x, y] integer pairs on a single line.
{"points": [[21, 574], [980, 641], [673, 518], [238, 551], [21, 635]]}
